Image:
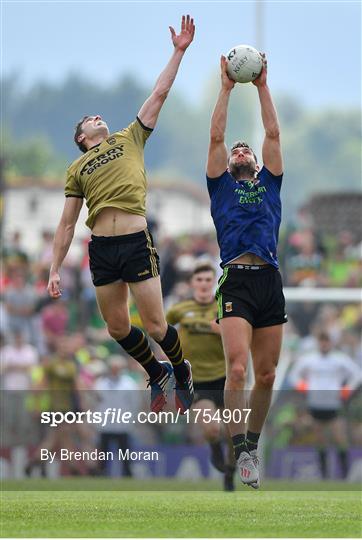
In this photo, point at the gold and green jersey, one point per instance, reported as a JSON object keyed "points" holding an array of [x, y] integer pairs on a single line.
{"points": [[61, 376], [200, 345], [112, 174]]}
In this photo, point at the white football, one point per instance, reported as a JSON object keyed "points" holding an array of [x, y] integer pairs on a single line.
{"points": [[244, 63]]}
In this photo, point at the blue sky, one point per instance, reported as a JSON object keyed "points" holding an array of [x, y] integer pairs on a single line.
{"points": [[313, 47]]}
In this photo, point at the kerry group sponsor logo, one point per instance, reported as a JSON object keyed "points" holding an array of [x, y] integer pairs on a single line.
{"points": [[102, 159]]}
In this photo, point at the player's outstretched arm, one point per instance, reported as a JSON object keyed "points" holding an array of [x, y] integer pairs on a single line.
{"points": [[150, 110], [217, 158], [62, 240], [272, 154]]}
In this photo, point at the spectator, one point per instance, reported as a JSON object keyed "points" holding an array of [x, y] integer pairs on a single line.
{"points": [[13, 252], [305, 268], [328, 376], [60, 381], [20, 303], [54, 321], [17, 361], [117, 390]]}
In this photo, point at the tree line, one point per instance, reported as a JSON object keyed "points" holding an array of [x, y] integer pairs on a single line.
{"points": [[321, 147]]}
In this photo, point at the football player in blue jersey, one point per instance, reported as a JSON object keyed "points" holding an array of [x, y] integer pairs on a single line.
{"points": [[246, 209]]}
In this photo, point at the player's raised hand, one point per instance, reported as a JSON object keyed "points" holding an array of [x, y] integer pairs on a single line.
{"points": [[54, 285], [226, 82], [261, 80], [185, 37]]}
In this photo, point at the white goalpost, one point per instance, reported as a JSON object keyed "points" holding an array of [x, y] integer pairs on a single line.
{"points": [[319, 294]]}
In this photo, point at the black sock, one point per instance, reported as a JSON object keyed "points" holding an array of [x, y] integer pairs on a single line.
{"points": [[252, 439], [343, 461], [322, 453], [136, 345], [171, 346], [239, 444]]}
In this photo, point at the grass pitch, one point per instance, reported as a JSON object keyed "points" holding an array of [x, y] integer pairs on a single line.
{"points": [[41, 508]]}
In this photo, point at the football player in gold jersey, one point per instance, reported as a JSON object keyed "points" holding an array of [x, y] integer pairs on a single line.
{"points": [[110, 176], [201, 342]]}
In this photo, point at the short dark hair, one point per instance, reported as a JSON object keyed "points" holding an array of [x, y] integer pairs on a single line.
{"points": [[242, 144], [79, 131], [323, 336], [203, 267]]}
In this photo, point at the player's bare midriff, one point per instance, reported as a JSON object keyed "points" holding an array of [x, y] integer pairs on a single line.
{"points": [[249, 258], [115, 222]]}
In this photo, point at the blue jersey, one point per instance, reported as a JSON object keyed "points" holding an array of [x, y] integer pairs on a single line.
{"points": [[246, 215]]}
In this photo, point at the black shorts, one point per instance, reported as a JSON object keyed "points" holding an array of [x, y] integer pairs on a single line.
{"points": [[130, 258], [323, 415], [212, 390], [252, 292]]}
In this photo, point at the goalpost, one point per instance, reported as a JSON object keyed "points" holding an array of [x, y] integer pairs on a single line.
{"points": [[313, 294], [319, 294]]}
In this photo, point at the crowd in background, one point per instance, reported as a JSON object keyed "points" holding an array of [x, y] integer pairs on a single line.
{"points": [[306, 259], [41, 339]]}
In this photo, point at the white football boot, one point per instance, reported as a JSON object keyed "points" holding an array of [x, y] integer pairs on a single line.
{"points": [[254, 455], [249, 474]]}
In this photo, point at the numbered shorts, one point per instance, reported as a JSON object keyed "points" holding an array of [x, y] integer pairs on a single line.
{"points": [[254, 293], [129, 257], [211, 390]]}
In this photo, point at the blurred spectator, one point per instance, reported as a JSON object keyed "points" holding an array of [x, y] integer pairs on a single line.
{"points": [[351, 344], [303, 314], [46, 249], [20, 303], [17, 360], [60, 382], [88, 302], [72, 333], [169, 273], [305, 267], [343, 262], [329, 318], [328, 377], [54, 320], [14, 254], [61, 372], [117, 390]]}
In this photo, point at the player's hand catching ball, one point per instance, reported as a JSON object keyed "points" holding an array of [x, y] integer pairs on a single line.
{"points": [[54, 285], [226, 82], [261, 80], [185, 37]]}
